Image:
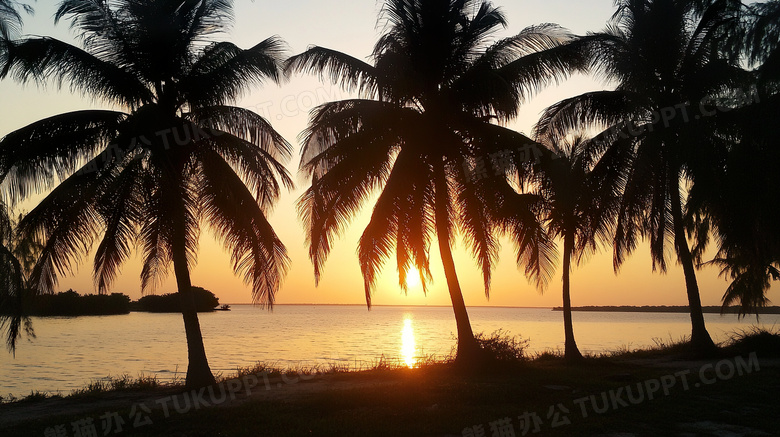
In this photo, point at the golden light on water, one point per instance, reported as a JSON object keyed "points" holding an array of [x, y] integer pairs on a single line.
{"points": [[408, 347]]}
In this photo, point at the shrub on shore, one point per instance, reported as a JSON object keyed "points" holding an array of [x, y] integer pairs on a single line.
{"points": [[502, 347]]}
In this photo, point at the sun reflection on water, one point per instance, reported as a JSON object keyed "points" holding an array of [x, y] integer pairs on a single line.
{"points": [[407, 344]]}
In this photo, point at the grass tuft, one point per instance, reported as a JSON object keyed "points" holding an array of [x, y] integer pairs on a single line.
{"points": [[123, 382], [764, 342], [662, 348]]}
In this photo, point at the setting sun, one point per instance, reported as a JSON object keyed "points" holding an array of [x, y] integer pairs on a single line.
{"points": [[401, 217], [413, 277]]}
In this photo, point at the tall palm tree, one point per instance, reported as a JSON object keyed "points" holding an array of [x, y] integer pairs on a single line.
{"points": [[579, 194], [738, 202], [736, 197], [147, 175], [666, 57], [437, 81]]}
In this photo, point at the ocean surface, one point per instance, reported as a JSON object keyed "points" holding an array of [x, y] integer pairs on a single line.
{"points": [[69, 352]]}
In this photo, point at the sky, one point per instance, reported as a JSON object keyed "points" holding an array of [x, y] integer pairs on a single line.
{"points": [[352, 27]]}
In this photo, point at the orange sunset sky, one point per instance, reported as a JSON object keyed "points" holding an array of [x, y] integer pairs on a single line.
{"points": [[352, 27]]}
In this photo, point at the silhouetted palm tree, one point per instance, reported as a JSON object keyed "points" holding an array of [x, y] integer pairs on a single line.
{"points": [[148, 175], [16, 260], [666, 58], [738, 202], [12, 280], [737, 196], [579, 194], [437, 81]]}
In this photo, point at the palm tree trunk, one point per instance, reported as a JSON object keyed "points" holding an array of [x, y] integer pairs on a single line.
{"points": [[701, 342], [571, 352], [468, 350], [198, 370]]}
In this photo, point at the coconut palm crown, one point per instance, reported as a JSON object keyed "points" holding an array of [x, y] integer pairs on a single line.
{"points": [[176, 154], [423, 122]]}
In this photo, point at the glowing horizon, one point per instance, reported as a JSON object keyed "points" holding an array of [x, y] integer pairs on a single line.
{"points": [[353, 30]]}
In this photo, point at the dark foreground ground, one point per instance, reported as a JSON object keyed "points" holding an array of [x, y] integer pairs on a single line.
{"points": [[631, 394]]}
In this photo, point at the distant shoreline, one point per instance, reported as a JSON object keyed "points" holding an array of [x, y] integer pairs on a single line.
{"points": [[388, 305], [665, 309]]}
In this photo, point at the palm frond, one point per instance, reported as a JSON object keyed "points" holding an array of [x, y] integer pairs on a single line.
{"points": [[256, 251], [67, 221], [121, 211], [594, 109], [336, 196], [346, 71], [402, 220], [334, 122], [41, 59], [12, 284], [244, 124], [749, 285], [100, 29], [536, 251], [258, 169], [224, 71], [207, 18], [763, 31], [251, 146], [513, 70], [11, 19], [476, 225], [32, 157]]}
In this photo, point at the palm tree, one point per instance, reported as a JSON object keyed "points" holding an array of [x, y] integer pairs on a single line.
{"points": [[736, 197], [16, 260], [738, 202], [423, 120], [579, 193], [12, 280], [148, 175], [666, 57]]}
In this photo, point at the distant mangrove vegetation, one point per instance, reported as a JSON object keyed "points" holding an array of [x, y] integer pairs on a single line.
{"points": [[205, 301], [669, 309], [71, 303]]}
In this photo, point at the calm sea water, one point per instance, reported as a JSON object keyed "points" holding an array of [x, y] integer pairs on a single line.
{"points": [[70, 352]]}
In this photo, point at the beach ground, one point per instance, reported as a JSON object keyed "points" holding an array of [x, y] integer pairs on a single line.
{"points": [[628, 396]]}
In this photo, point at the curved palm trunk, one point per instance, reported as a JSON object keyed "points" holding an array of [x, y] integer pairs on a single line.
{"points": [[571, 352], [198, 370], [701, 342], [468, 350]]}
